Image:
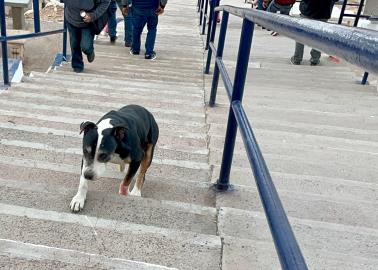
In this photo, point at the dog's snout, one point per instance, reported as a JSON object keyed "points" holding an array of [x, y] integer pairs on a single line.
{"points": [[89, 175], [103, 157]]}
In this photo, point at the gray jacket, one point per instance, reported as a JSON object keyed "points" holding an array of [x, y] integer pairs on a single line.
{"points": [[72, 10]]}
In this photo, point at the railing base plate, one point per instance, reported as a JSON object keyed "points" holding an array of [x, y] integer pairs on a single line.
{"points": [[222, 188]]}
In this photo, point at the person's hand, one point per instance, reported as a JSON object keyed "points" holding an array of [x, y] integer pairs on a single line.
{"points": [[159, 11], [87, 18], [125, 11]]}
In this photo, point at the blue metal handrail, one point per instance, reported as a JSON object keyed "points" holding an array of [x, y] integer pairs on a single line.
{"points": [[358, 46], [37, 33]]}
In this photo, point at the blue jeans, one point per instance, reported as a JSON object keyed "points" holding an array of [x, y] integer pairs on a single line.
{"points": [[81, 40], [128, 20], [112, 22], [141, 17], [274, 7]]}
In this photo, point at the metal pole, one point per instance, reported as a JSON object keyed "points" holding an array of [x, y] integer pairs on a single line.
{"points": [[4, 47], [201, 11], [204, 18], [211, 39], [342, 11], [212, 22], [37, 25], [362, 2], [221, 40], [365, 78], [65, 40], [223, 183]]}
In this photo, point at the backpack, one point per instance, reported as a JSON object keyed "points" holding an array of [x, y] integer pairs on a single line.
{"points": [[285, 2], [100, 23]]}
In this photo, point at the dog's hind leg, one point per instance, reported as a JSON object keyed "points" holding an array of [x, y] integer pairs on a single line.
{"points": [[145, 164], [131, 171]]}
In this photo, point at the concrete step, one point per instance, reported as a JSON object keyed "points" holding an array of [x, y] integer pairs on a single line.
{"points": [[44, 117], [245, 254], [321, 140], [324, 245], [343, 211], [312, 167], [336, 189], [108, 96], [158, 76], [71, 139], [112, 206], [119, 84], [90, 102], [25, 173], [337, 120], [305, 130], [115, 87], [19, 255], [335, 162], [110, 238], [169, 168]]}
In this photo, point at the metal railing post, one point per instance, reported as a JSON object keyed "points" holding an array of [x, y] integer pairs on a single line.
{"points": [[342, 12], [4, 44], [204, 17], [64, 40], [365, 78], [362, 3], [211, 39], [223, 182], [212, 21], [201, 11], [37, 24], [221, 41]]}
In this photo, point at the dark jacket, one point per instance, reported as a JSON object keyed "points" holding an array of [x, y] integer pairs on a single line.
{"points": [[72, 10], [317, 9]]}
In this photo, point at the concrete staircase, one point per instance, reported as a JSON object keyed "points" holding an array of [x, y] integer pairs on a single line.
{"points": [[320, 147]]}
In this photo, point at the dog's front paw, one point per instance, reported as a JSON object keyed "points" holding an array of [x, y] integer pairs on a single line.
{"points": [[123, 190], [77, 203], [135, 192]]}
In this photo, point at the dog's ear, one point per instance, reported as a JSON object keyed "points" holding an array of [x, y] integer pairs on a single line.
{"points": [[86, 126], [119, 133]]}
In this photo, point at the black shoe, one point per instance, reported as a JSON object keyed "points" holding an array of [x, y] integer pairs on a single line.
{"points": [[113, 39], [127, 44], [150, 56], [78, 70], [294, 62], [133, 52], [91, 57]]}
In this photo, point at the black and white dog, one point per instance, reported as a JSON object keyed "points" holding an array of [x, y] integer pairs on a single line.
{"points": [[126, 136]]}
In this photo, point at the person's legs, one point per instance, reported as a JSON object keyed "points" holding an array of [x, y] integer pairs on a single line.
{"points": [[260, 5], [86, 43], [139, 21], [75, 38], [285, 10], [128, 22], [298, 54], [273, 7], [112, 22], [152, 22]]}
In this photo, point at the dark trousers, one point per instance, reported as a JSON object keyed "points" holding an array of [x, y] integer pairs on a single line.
{"points": [[81, 40], [141, 17]]}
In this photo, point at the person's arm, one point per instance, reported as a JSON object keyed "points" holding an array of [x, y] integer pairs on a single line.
{"points": [[160, 9], [97, 13]]}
